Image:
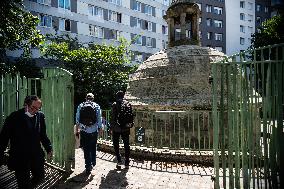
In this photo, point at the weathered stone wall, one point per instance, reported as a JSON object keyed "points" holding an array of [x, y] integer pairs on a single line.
{"points": [[174, 78]]}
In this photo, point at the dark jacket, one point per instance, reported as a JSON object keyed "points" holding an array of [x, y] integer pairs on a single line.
{"points": [[26, 136], [114, 119]]}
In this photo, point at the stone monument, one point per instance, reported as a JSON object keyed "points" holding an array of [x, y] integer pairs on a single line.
{"points": [[176, 78]]}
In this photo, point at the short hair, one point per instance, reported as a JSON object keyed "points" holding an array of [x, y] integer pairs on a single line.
{"points": [[119, 95], [90, 96], [29, 99]]}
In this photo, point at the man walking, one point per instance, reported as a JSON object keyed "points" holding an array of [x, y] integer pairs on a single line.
{"points": [[121, 122], [88, 124], [26, 131]]}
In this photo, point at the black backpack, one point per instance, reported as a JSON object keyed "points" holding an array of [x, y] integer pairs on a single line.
{"points": [[88, 116], [125, 115]]}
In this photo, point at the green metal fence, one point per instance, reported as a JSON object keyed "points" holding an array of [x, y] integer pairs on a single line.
{"points": [[248, 94], [177, 130], [56, 91]]}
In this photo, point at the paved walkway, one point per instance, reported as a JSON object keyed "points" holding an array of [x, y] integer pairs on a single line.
{"points": [[142, 175]]}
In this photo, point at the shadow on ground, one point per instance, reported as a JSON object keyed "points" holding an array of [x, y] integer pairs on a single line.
{"points": [[114, 179], [8, 180]]}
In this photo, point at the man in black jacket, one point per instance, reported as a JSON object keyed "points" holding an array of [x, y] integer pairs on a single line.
{"points": [[121, 122], [26, 131]]}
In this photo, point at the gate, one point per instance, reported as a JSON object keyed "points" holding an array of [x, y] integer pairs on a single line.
{"points": [[248, 119], [57, 93]]}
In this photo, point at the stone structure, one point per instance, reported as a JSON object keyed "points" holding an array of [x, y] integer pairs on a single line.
{"points": [[173, 81], [182, 17], [176, 78]]}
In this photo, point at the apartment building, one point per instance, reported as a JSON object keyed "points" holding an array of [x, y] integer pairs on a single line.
{"points": [[242, 19], [213, 24], [225, 25], [104, 21]]}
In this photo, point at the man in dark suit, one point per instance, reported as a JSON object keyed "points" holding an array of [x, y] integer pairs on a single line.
{"points": [[26, 131]]}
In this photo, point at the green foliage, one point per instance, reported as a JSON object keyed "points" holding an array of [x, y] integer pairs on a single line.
{"points": [[18, 31], [100, 69], [17, 27], [271, 32]]}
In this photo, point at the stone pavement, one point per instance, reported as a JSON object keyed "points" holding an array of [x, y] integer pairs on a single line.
{"points": [[141, 174]]}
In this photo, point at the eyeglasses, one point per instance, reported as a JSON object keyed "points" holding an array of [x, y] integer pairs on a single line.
{"points": [[35, 108]]}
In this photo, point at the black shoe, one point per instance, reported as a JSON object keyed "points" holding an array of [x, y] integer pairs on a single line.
{"points": [[118, 165]]}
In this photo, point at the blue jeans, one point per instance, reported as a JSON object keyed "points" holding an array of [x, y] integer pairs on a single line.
{"points": [[89, 145]]}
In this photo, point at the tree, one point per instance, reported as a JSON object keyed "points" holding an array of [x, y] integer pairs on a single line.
{"points": [[270, 32], [17, 27], [100, 69]]}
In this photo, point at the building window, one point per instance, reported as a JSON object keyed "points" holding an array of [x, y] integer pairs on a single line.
{"points": [[218, 36], [208, 8], [95, 11], [114, 34], [218, 10], [209, 35], [209, 22], [116, 2], [149, 42], [199, 20], [64, 25], [258, 8], [164, 30], [242, 28], [250, 6], [164, 44], [65, 4], [114, 16], [242, 16], [242, 40], [96, 31], [258, 20], [138, 40], [149, 25], [137, 6], [45, 20], [242, 4], [218, 23], [148, 10], [137, 23], [266, 9]]}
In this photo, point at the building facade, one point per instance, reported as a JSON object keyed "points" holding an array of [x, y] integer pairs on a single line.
{"points": [[242, 20], [105, 21], [225, 25]]}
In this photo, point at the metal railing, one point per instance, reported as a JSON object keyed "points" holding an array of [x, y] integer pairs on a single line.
{"points": [[188, 130], [248, 93]]}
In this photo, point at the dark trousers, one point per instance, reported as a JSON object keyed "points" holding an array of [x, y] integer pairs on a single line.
{"points": [[89, 145], [23, 175], [125, 138]]}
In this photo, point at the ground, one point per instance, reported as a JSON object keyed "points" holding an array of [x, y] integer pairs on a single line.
{"points": [[144, 174]]}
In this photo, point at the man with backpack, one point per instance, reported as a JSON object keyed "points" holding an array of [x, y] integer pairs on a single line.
{"points": [[121, 122], [88, 124]]}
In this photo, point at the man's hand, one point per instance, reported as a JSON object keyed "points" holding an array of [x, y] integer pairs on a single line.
{"points": [[50, 155]]}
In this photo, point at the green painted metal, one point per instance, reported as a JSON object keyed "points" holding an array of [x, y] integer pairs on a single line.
{"points": [[179, 130], [57, 93], [248, 133]]}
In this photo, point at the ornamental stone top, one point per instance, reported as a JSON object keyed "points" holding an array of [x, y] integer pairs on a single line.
{"points": [[182, 17]]}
